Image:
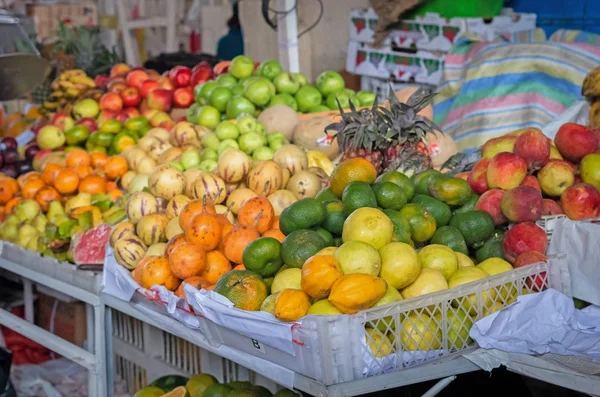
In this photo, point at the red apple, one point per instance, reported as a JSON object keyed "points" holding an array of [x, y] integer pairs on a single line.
{"points": [[118, 69], [136, 77], [200, 73], [581, 201], [117, 87], [132, 112], [89, 123], [165, 83], [153, 74], [101, 80], [147, 86], [183, 97], [575, 141], [131, 97], [160, 99], [62, 121], [39, 158], [111, 102], [180, 76], [106, 115]]}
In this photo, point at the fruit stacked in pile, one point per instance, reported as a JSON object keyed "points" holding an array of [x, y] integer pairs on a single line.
{"points": [[524, 175], [590, 89], [246, 89], [68, 88], [207, 386], [15, 161]]}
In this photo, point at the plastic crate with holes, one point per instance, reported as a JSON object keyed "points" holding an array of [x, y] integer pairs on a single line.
{"points": [[336, 349]]}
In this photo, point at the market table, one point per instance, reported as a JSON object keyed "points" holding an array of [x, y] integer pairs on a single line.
{"points": [[68, 280]]}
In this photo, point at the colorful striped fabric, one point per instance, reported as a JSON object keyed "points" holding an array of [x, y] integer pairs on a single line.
{"points": [[490, 89]]}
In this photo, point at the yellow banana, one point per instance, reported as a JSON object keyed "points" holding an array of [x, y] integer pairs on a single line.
{"points": [[83, 80]]}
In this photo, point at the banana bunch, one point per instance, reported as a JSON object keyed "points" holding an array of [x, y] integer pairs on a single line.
{"points": [[591, 90], [69, 88]]}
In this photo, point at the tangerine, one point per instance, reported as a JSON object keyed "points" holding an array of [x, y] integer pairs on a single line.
{"points": [[205, 231], [78, 157], [193, 208], [217, 265], [236, 242], [157, 272], [30, 176], [197, 282], [30, 188], [49, 173], [258, 212], [66, 181], [83, 171], [356, 169], [93, 184], [98, 159], [173, 242], [6, 191], [187, 259], [45, 196], [275, 233], [115, 167], [8, 208], [114, 194]]}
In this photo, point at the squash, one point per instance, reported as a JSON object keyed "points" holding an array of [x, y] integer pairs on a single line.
{"points": [[357, 291]]}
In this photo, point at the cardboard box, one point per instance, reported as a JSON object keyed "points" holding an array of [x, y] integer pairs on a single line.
{"points": [[68, 320], [46, 18], [434, 33], [420, 67]]}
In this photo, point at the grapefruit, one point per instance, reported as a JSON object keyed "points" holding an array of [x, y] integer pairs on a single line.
{"points": [[368, 225], [400, 264], [358, 257], [245, 289]]}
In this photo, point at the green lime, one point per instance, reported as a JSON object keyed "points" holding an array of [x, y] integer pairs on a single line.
{"points": [[401, 226], [438, 209], [475, 226], [122, 141], [303, 214], [329, 241], [300, 245], [492, 248], [423, 179], [136, 123], [216, 390], [405, 183], [150, 391], [422, 223], [469, 205], [169, 382], [325, 195], [452, 191], [389, 195], [450, 237], [334, 217], [358, 195], [113, 126], [263, 256], [103, 139], [199, 383], [76, 135]]}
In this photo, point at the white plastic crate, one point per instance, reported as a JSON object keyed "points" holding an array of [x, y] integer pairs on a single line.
{"points": [[548, 223], [381, 87], [336, 349]]}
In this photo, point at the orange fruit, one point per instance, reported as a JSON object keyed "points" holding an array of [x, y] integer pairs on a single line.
{"points": [[240, 267], [275, 233], [30, 176], [30, 188], [193, 208], [78, 157], [13, 184], [187, 259], [45, 196], [49, 173], [6, 191], [197, 282], [115, 167], [83, 171], [34, 112], [356, 169], [111, 185], [158, 272], [114, 193], [217, 265], [66, 181], [236, 242], [92, 184], [258, 212], [205, 231], [319, 273], [247, 290], [8, 208], [98, 159], [174, 241]]}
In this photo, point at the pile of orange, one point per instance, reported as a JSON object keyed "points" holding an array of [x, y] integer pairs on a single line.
{"points": [[209, 247], [83, 172]]}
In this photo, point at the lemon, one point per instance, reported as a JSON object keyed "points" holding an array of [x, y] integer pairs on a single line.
{"points": [[198, 383], [420, 332], [493, 266], [391, 295], [370, 226], [288, 278], [400, 264], [327, 251], [323, 307], [358, 257], [463, 260], [466, 275], [439, 257], [379, 344], [428, 281]]}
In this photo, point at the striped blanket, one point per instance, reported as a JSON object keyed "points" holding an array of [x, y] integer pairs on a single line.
{"points": [[489, 89]]}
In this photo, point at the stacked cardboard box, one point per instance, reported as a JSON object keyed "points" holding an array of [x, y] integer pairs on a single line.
{"points": [[46, 17]]}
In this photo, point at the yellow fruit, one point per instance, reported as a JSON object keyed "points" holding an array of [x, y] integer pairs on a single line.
{"points": [[493, 266], [589, 169], [463, 260], [198, 383], [420, 332], [466, 275], [391, 295], [379, 343], [370, 226], [323, 307], [439, 257], [400, 264], [355, 292], [318, 159], [357, 169], [327, 251], [494, 307], [358, 257], [291, 305], [318, 275], [268, 304], [595, 115], [428, 281], [288, 278]]}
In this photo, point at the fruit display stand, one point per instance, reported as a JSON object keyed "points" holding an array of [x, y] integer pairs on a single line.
{"points": [[66, 278]]}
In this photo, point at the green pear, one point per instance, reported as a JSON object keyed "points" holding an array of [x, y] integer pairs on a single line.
{"points": [[55, 211], [26, 233], [33, 244], [9, 231], [12, 220], [40, 222], [81, 200], [27, 209]]}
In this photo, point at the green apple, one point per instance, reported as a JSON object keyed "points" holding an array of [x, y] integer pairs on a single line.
{"points": [[275, 144], [239, 106], [190, 158], [367, 98], [251, 141], [263, 153], [192, 113], [209, 117], [246, 124], [261, 128], [86, 108], [349, 91], [258, 91], [318, 109], [275, 135], [227, 130], [211, 140], [202, 91], [241, 66], [208, 165], [330, 82], [286, 83], [307, 97], [344, 99], [226, 80], [219, 97], [300, 78], [283, 99], [227, 144], [136, 123], [237, 89], [177, 165], [209, 154], [269, 69]]}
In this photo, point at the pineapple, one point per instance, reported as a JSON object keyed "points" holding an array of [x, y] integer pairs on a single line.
{"points": [[391, 139]]}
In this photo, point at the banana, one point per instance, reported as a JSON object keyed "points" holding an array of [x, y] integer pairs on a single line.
{"points": [[84, 81], [64, 84], [72, 92], [50, 105], [595, 115]]}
